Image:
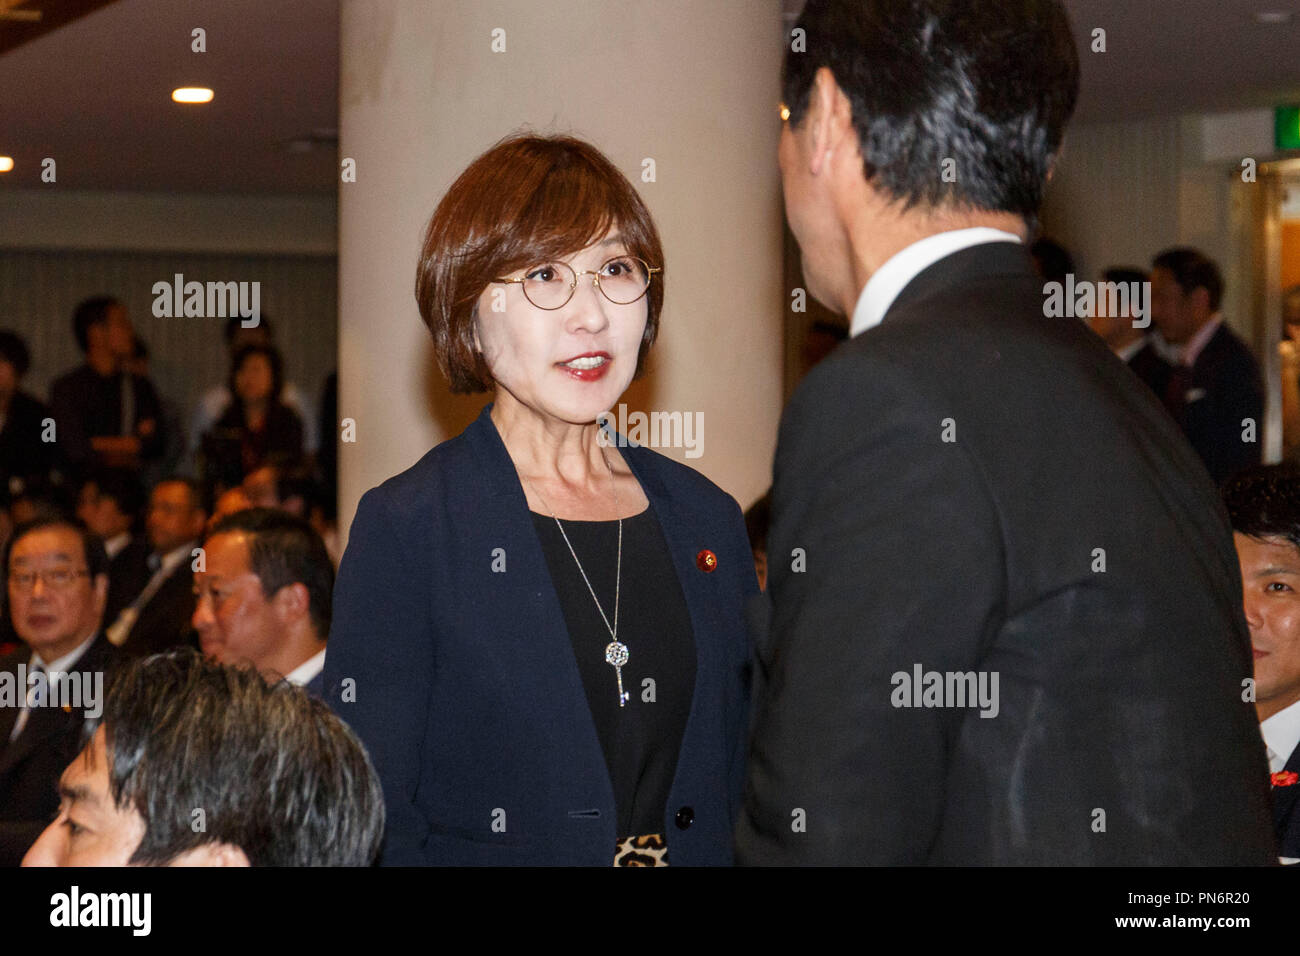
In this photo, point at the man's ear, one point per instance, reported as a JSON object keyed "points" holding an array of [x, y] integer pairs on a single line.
{"points": [[212, 854], [829, 120], [292, 601]]}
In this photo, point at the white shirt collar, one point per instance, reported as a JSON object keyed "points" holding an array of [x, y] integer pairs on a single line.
{"points": [[1196, 344], [903, 266], [308, 669], [113, 546], [1281, 734], [64, 663], [1126, 352], [168, 562]]}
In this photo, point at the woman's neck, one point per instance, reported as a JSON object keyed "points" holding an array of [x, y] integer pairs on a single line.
{"points": [[548, 449]]}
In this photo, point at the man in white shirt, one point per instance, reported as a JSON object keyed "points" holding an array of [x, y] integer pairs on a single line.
{"points": [[989, 551], [1264, 506], [109, 504], [264, 596], [58, 582], [158, 617]]}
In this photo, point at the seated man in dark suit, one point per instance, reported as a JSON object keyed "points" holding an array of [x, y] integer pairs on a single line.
{"points": [[178, 737], [58, 581], [265, 596], [1264, 506], [1214, 392], [109, 504], [1006, 624], [159, 616]]}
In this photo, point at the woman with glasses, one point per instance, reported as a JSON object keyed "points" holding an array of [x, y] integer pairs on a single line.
{"points": [[538, 628]]}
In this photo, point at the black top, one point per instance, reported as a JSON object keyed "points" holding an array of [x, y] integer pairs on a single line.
{"points": [[641, 740]]}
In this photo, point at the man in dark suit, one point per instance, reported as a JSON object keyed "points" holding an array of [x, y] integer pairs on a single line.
{"points": [[159, 616], [1006, 623], [1214, 392], [109, 503], [1114, 321], [105, 415], [50, 687], [1264, 507], [265, 596]]}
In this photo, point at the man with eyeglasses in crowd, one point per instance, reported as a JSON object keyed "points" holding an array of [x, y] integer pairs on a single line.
{"points": [[57, 575]]}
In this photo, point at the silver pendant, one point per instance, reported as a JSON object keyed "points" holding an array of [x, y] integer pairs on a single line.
{"points": [[616, 655]]}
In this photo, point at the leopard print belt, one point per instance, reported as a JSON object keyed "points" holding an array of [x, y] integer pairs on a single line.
{"points": [[647, 850]]}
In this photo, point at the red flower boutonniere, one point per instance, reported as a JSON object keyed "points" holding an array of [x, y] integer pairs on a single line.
{"points": [[1284, 778]]}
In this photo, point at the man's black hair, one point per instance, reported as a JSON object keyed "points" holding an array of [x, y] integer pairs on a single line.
{"points": [[273, 770], [1264, 502], [1192, 270], [989, 84], [284, 549], [92, 548], [1124, 274], [14, 351], [122, 485], [89, 313], [236, 322]]}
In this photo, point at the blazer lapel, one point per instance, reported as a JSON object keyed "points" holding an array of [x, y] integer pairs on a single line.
{"points": [[9, 715], [502, 515], [1285, 798]]}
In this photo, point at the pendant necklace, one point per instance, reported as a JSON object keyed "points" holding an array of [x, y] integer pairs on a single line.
{"points": [[616, 653]]}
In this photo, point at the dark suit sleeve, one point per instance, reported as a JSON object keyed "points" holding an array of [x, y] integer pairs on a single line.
{"points": [[1242, 397], [903, 566], [149, 407], [67, 410], [379, 664]]}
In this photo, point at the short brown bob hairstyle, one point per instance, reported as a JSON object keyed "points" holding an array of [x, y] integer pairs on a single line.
{"points": [[527, 200]]}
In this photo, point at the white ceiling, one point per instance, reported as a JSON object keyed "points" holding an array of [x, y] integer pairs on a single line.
{"points": [[95, 94]]}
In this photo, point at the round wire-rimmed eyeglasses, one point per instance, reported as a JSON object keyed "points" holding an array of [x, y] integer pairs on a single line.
{"points": [[621, 279]]}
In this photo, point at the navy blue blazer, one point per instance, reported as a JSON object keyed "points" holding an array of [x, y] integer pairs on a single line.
{"points": [[1286, 811], [461, 680]]}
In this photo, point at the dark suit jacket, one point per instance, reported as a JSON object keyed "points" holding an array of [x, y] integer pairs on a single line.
{"points": [[467, 694], [31, 765], [128, 573], [1119, 695], [164, 622], [1286, 811], [1147, 365], [22, 452], [86, 405], [1229, 376]]}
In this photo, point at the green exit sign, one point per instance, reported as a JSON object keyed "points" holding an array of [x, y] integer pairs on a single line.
{"points": [[1288, 127]]}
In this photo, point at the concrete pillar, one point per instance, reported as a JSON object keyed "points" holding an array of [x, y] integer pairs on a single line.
{"points": [[693, 86]]}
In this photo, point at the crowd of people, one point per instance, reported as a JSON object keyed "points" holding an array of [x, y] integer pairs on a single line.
{"points": [[1027, 600]]}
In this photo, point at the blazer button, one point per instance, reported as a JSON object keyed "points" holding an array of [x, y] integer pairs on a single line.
{"points": [[706, 560], [685, 817]]}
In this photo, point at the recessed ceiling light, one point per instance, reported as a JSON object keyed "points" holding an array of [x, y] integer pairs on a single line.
{"points": [[192, 94], [1274, 16], [6, 163]]}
